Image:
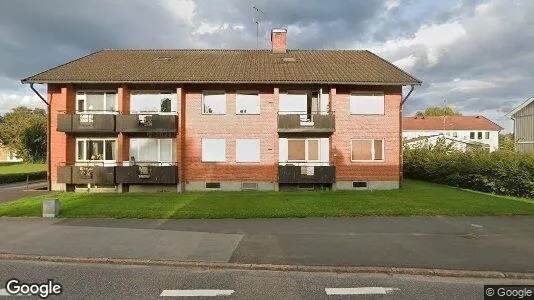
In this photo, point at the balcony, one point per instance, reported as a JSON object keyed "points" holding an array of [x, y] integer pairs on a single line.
{"points": [[89, 174], [147, 173], [306, 123], [86, 122], [306, 174], [147, 123]]}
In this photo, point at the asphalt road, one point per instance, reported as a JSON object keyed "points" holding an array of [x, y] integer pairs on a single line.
{"points": [[14, 191], [465, 243], [90, 281]]}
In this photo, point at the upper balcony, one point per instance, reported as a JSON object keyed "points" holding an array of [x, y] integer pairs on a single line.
{"points": [[296, 122], [149, 122], [90, 122]]}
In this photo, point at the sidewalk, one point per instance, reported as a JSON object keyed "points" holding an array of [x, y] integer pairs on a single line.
{"points": [[17, 190], [463, 243]]}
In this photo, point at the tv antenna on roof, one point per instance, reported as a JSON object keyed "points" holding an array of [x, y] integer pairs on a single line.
{"points": [[258, 15]]}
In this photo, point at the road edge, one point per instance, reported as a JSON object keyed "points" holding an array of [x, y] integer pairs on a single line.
{"points": [[271, 267]]}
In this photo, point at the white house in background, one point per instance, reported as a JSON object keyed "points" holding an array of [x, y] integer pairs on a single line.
{"points": [[466, 131], [454, 143]]}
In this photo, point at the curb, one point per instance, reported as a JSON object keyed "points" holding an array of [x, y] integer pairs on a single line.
{"points": [[272, 267]]}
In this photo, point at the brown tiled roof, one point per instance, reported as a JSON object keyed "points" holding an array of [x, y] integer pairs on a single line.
{"points": [[228, 66], [451, 123]]}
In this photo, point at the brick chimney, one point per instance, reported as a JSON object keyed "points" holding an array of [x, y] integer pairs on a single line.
{"points": [[279, 40]]}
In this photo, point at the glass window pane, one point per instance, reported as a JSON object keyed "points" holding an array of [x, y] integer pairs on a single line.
{"points": [[367, 104], [95, 150], [81, 103], [153, 103], [148, 150], [247, 103], [313, 150], [293, 102], [296, 150], [110, 150], [95, 101], [361, 150], [165, 150], [247, 150], [487, 135], [80, 150], [479, 135], [214, 103], [213, 150], [111, 102], [379, 155]]}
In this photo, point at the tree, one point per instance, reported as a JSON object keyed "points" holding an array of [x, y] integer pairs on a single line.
{"points": [[438, 111], [24, 131], [506, 142]]}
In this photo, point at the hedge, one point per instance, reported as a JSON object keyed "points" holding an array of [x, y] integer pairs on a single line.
{"points": [[21, 177], [499, 172]]}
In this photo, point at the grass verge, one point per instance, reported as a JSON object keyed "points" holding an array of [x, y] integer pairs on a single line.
{"points": [[416, 198]]}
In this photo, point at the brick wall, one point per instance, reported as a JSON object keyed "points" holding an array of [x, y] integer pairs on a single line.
{"points": [[231, 127], [349, 126]]}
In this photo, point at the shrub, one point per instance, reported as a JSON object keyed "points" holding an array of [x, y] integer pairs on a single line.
{"points": [[499, 172], [20, 177]]}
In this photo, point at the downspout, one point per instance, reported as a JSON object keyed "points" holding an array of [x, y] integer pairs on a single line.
{"points": [[401, 166], [47, 135]]}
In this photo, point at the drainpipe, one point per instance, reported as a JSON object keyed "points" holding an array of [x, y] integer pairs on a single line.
{"points": [[412, 87], [47, 135]]}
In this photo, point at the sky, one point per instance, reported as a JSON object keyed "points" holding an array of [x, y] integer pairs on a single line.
{"points": [[474, 55]]}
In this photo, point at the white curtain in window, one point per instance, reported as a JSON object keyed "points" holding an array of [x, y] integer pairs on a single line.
{"points": [[293, 102], [213, 150], [247, 150], [247, 103], [214, 102]]}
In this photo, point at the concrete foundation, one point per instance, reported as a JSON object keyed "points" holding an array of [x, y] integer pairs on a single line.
{"points": [[371, 185], [195, 186], [153, 188]]}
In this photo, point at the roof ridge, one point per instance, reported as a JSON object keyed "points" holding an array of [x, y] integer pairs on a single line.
{"points": [[230, 50]]}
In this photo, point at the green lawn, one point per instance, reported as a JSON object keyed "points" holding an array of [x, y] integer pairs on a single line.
{"points": [[22, 168], [414, 199]]}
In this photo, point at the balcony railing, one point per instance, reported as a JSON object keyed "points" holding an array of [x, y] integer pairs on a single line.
{"points": [[290, 122], [307, 173], [147, 123], [147, 173], [88, 173], [93, 121]]}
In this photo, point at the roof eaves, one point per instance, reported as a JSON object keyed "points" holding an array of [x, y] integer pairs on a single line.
{"points": [[44, 81], [520, 107]]}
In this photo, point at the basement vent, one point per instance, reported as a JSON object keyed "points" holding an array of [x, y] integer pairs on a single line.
{"points": [[249, 186], [359, 184], [213, 185]]}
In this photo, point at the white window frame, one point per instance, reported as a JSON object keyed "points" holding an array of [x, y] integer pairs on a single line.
{"points": [[248, 162], [372, 150], [248, 92], [202, 151], [83, 95], [371, 93], [155, 92], [159, 161], [214, 92], [306, 154], [103, 149]]}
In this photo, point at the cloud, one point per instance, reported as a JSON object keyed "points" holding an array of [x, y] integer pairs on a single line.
{"points": [[476, 54]]}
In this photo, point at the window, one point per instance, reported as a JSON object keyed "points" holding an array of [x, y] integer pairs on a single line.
{"points": [[455, 134], [472, 135], [144, 102], [99, 102], [247, 150], [367, 103], [213, 150], [367, 150], [214, 102], [303, 150], [151, 150], [487, 135], [96, 149], [359, 184], [247, 103], [213, 185], [249, 186], [479, 135], [293, 102]]}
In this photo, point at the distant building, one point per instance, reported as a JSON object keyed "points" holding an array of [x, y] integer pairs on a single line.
{"points": [[7, 155], [465, 131], [454, 143], [523, 117]]}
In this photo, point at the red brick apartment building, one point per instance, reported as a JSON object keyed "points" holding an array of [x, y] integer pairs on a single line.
{"points": [[191, 120]]}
